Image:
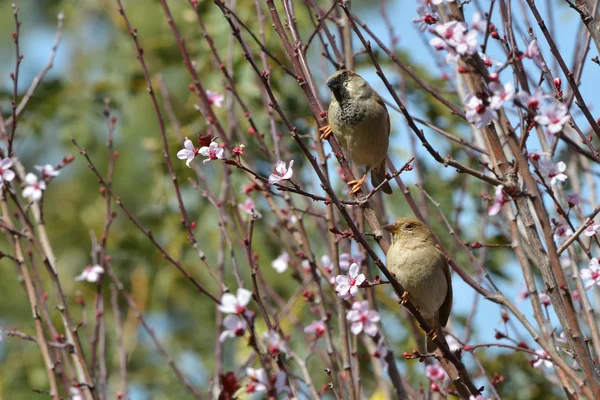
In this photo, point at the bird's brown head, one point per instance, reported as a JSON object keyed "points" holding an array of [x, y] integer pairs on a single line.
{"points": [[344, 82], [409, 229]]}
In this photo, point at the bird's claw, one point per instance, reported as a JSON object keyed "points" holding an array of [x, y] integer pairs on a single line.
{"points": [[325, 132], [404, 298], [357, 184], [433, 335]]}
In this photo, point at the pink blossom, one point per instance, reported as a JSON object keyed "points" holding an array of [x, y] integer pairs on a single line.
{"points": [[534, 100], [238, 150], [464, 43], [536, 155], [523, 294], [250, 208], [562, 230], [326, 263], [362, 318], [562, 338], [91, 274], [235, 327], [542, 360], [274, 343], [434, 372], [591, 229], [6, 175], [554, 117], [573, 201], [545, 299], [478, 397], [454, 38], [591, 274], [347, 285], [188, 152], [47, 170], [282, 172], [258, 380], [305, 264], [549, 171], [346, 259], [235, 304], [215, 99], [75, 393], [499, 200], [280, 264], [316, 327], [489, 61], [501, 94], [533, 52], [427, 16], [438, 2], [478, 113], [381, 352], [212, 151], [33, 188], [479, 23]]}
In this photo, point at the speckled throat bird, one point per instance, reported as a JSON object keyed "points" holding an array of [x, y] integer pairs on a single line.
{"points": [[360, 121], [422, 269]]}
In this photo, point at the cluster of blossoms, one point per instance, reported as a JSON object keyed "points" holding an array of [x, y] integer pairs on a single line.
{"points": [[213, 152], [543, 360], [481, 109], [235, 306], [282, 262], [33, 186], [259, 381], [458, 40], [549, 171]]}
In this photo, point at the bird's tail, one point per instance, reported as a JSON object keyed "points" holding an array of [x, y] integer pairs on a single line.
{"points": [[378, 177]]}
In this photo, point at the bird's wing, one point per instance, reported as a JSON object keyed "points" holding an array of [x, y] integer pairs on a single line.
{"points": [[380, 101], [444, 313]]}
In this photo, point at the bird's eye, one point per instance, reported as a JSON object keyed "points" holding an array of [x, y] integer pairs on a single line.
{"points": [[344, 74], [409, 227]]}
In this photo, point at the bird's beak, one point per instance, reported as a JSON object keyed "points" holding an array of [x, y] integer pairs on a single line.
{"points": [[333, 83], [389, 227]]}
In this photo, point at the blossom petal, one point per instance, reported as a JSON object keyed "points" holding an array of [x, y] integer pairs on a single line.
{"points": [[243, 296]]}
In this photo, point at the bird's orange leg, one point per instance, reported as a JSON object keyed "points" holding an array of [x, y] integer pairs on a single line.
{"points": [[404, 298], [357, 184], [325, 132]]}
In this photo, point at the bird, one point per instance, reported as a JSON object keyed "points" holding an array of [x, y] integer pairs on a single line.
{"points": [[422, 269], [360, 121]]}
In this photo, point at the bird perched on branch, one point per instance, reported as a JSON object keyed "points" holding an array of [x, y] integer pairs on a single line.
{"points": [[359, 120], [423, 271]]}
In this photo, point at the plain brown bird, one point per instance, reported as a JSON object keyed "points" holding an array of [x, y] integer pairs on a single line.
{"points": [[423, 271], [359, 120]]}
